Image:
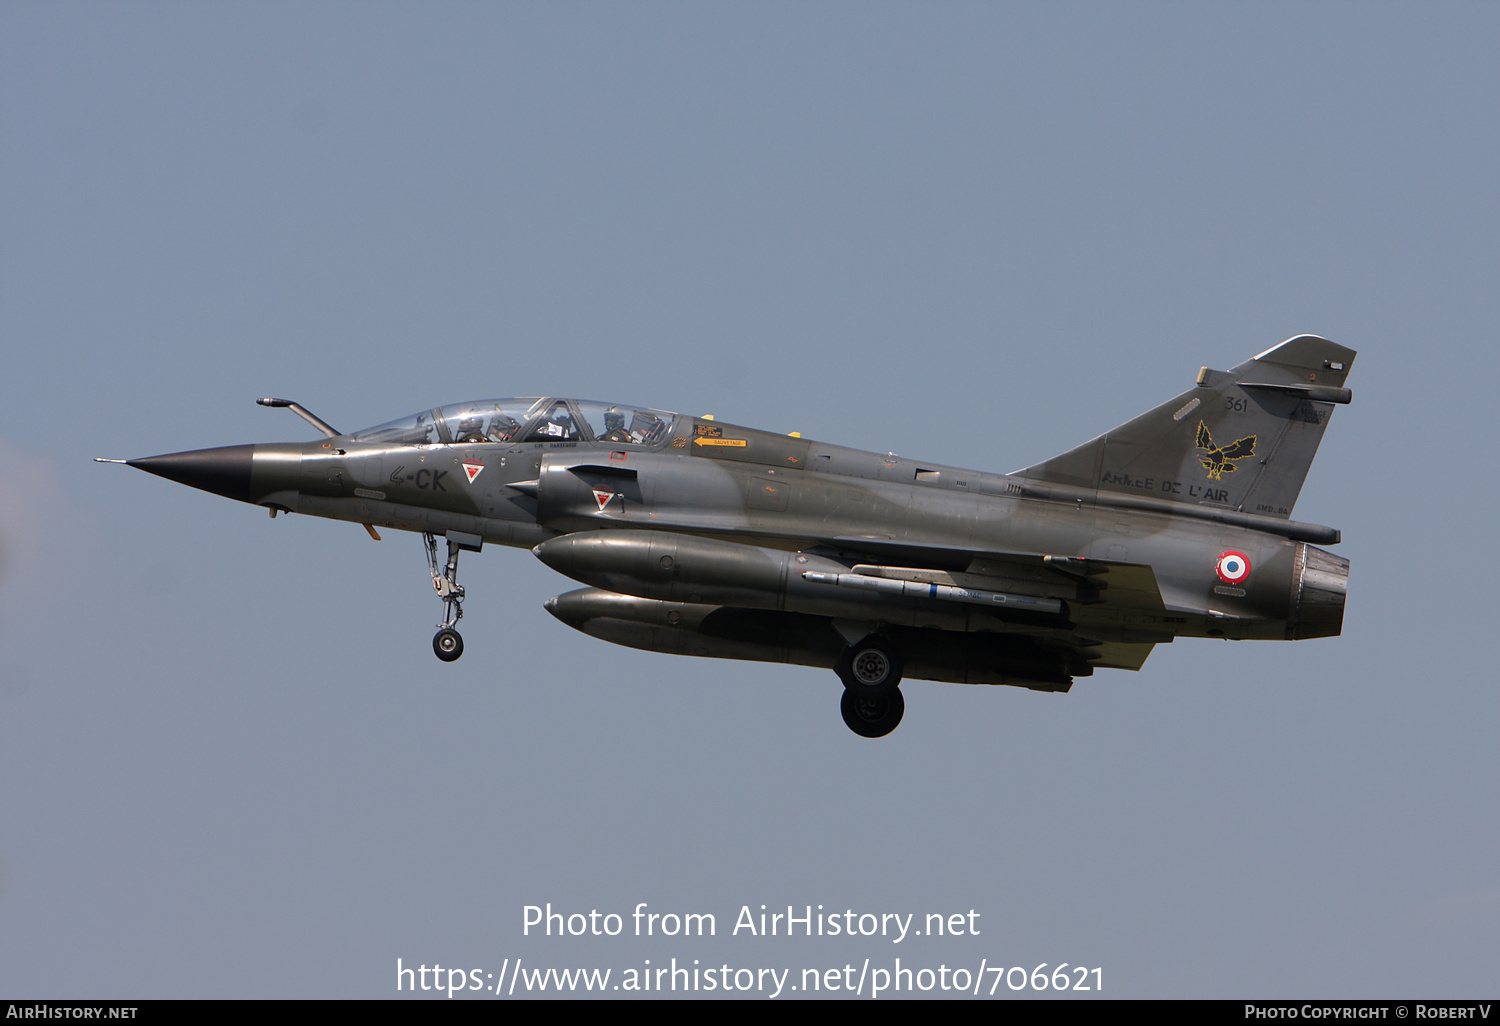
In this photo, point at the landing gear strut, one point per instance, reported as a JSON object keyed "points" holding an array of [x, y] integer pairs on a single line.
{"points": [[447, 644]]}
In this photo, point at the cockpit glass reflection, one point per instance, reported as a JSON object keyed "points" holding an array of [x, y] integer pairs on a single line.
{"points": [[488, 420], [556, 425], [492, 421], [625, 425]]}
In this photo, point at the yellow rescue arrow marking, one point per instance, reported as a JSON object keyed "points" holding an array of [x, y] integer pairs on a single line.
{"points": [[720, 441]]}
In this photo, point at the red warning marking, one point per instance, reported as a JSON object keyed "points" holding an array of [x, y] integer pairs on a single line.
{"points": [[602, 497], [472, 469]]}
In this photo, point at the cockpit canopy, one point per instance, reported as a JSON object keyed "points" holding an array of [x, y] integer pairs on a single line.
{"points": [[524, 420]]}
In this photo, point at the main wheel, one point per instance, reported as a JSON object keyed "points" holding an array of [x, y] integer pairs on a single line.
{"points": [[871, 667], [872, 715], [447, 644]]}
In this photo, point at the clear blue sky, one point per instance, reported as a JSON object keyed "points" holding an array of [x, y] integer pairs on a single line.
{"points": [[978, 233]]}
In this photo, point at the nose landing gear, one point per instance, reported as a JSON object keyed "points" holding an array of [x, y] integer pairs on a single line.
{"points": [[447, 644]]}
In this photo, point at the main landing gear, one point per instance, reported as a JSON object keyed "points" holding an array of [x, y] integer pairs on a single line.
{"points": [[872, 704], [447, 643]]}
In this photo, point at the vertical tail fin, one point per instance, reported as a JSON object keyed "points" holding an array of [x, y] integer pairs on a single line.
{"points": [[1242, 439]]}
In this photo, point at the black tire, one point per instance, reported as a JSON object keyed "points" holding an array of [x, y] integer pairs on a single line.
{"points": [[447, 644], [872, 715], [871, 667]]}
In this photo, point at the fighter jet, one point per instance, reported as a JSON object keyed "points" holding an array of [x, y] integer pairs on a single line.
{"points": [[704, 538]]}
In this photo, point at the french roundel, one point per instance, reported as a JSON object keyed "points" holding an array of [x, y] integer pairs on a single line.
{"points": [[1233, 567]]}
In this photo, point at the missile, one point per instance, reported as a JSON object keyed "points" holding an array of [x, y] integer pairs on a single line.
{"points": [[924, 589], [704, 571], [688, 569]]}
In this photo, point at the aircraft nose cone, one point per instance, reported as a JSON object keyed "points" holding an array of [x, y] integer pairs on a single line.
{"points": [[223, 471]]}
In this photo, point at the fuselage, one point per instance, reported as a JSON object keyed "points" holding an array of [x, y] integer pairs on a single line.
{"points": [[701, 538], [784, 494]]}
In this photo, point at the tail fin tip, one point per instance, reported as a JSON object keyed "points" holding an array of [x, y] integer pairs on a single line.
{"points": [[1309, 358]]}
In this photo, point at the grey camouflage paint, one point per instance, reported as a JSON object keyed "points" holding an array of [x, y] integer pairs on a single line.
{"points": [[1175, 524]]}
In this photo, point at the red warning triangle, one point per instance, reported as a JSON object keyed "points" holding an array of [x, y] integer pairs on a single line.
{"points": [[472, 469], [602, 497]]}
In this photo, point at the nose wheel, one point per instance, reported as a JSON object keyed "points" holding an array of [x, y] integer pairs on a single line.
{"points": [[447, 644]]}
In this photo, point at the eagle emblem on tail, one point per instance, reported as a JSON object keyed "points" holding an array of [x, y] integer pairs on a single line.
{"points": [[1217, 461]]}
